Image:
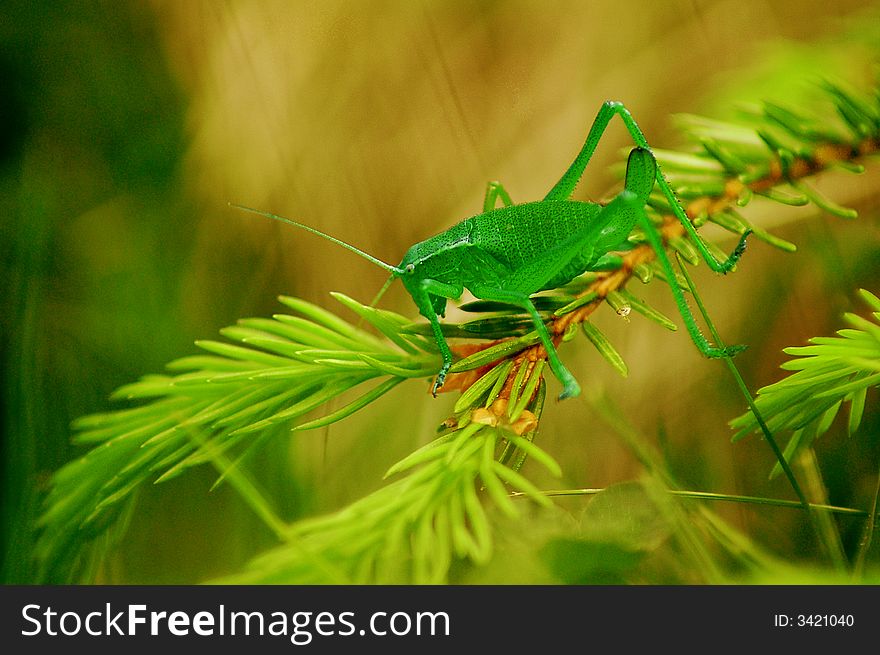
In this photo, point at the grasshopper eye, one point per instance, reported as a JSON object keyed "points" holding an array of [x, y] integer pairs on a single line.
{"points": [[409, 268]]}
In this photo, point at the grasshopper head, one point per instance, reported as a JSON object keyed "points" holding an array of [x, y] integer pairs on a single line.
{"points": [[418, 268], [409, 272]]}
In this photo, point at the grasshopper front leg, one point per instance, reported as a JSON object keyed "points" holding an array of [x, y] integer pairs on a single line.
{"points": [[422, 299], [630, 202]]}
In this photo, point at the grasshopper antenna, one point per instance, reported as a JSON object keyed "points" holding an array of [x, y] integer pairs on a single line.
{"points": [[382, 291], [378, 262], [378, 297]]}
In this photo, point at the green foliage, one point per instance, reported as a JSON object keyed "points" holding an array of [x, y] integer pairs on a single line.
{"points": [[411, 530], [830, 373], [233, 397], [620, 527], [274, 375], [93, 229]]}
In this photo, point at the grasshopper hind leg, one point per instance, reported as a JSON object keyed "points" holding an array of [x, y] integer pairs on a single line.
{"points": [[495, 191], [654, 239], [566, 185]]}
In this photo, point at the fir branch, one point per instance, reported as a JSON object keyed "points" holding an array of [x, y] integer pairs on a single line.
{"points": [[279, 371], [831, 372], [412, 530]]}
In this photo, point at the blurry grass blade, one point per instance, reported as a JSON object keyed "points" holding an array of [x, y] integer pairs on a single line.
{"points": [[824, 203], [465, 444], [536, 454], [661, 274], [478, 521], [149, 386], [493, 486], [137, 432], [518, 482], [828, 418], [729, 162], [158, 409], [239, 352], [497, 493], [857, 115], [672, 161], [855, 385], [228, 405], [273, 345], [209, 362], [462, 541], [437, 448], [799, 439], [866, 326]]}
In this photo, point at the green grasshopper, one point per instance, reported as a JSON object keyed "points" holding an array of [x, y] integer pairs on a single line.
{"points": [[509, 253]]}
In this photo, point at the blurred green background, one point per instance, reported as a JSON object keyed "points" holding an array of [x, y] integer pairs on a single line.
{"points": [[126, 128]]}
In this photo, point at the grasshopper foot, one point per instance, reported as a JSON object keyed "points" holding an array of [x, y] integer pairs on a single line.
{"points": [[440, 379], [737, 252], [570, 389], [741, 246]]}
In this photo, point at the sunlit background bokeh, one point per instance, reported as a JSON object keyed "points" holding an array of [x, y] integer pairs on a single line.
{"points": [[127, 128]]}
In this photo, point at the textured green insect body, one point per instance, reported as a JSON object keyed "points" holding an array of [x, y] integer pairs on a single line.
{"points": [[506, 254], [490, 249]]}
